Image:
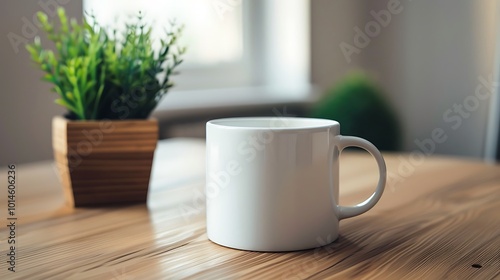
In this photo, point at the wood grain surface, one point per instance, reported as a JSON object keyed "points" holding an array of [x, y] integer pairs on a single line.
{"points": [[438, 219], [104, 162]]}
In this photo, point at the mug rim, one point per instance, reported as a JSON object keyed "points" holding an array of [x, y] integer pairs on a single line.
{"points": [[301, 123]]}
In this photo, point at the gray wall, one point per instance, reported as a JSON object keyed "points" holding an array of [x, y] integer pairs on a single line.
{"points": [[427, 59], [27, 105]]}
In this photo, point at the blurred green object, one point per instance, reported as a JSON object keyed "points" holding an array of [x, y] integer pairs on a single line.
{"points": [[358, 105]]}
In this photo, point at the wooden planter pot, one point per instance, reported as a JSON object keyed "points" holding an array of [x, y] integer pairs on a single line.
{"points": [[103, 163]]}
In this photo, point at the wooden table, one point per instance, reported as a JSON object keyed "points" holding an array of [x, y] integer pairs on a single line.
{"points": [[439, 219]]}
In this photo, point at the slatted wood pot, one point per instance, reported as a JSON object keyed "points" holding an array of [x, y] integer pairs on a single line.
{"points": [[104, 163]]}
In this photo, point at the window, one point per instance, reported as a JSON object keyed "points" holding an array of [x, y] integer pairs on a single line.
{"points": [[231, 43], [213, 33]]}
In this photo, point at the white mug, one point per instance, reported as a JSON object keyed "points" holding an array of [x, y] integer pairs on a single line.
{"points": [[272, 183]]}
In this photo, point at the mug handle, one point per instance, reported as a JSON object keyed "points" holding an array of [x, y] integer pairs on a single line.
{"points": [[341, 142]]}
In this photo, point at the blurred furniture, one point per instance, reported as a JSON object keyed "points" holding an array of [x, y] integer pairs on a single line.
{"points": [[436, 220]]}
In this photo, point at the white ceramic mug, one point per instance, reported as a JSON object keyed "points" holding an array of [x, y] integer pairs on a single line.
{"points": [[273, 183]]}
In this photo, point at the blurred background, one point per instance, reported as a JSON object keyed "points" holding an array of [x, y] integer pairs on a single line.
{"points": [[410, 71]]}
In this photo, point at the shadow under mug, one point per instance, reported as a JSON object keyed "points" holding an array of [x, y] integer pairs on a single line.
{"points": [[272, 183]]}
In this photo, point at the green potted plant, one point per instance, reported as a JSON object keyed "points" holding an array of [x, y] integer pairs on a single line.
{"points": [[358, 104], [109, 82]]}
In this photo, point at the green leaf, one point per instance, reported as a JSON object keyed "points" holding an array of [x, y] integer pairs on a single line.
{"points": [[67, 105], [63, 19]]}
